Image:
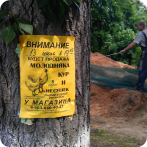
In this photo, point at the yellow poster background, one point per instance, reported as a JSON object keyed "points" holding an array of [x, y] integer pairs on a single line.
{"points": [[47, 76]]}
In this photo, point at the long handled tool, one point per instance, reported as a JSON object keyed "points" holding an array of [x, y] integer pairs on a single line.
{"points": [[108, 55]]}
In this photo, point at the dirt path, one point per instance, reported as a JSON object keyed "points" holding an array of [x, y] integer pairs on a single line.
{"points": [[119, 111]]}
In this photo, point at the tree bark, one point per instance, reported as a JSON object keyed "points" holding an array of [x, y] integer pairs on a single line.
{"points": [[47, 132]]}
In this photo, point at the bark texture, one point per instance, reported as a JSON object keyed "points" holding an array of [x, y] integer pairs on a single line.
{"points": [[57, 132]]}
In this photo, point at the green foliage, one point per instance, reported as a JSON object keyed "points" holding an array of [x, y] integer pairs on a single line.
{"points": [[8, 34], [100, 132], [114, 27], [60, 10], [2, 14], [77, 1], [1, 24], [136, 56], [24, 26], [15, 25], [42, 3], [17, 50], [56, 10], [117, 42], [68, 2], [49, 14]]}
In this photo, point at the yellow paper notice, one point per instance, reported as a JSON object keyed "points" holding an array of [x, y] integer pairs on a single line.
{"points": [[47, 76]]}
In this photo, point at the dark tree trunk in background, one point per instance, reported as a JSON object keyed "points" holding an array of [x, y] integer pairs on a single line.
{"points": [[47, 132]]}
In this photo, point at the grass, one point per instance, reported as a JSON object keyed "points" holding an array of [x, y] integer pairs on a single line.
{"points": [[100, 132], [102, 138]]}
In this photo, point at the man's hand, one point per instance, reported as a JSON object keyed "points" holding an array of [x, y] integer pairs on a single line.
{"points": [[122, 52]]}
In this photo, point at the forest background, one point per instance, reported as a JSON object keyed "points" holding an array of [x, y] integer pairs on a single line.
{"points": [[114, 26]]}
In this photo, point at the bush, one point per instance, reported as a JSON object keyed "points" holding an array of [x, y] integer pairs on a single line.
{"points": [[116, 42]]}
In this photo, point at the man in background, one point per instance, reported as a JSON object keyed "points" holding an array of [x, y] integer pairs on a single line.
{"points": [[141, 39]]}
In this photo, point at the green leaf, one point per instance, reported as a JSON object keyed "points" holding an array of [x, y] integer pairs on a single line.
{"points": [[59, 9], [2, 14], [8, 34], [49, 14], [22, 32], [15, 26], [17, 50], [68, 2], [1, 24], [26, 26], [77, 1], [42, 3]]}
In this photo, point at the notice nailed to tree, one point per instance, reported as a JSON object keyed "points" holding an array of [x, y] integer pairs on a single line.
{"points": [[47, 76]]}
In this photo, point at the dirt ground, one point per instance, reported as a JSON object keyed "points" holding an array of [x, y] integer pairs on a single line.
{"points": [[117, 111]]}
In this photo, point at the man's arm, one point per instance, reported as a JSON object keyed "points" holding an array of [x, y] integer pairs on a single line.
{"points": [[136, 41], [131, 45], [122, 52]]}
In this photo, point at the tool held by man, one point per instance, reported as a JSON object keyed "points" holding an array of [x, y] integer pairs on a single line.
{"points": [[122, 52]]}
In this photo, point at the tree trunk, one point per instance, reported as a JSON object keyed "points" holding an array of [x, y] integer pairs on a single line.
{"points": [[47, 132]]}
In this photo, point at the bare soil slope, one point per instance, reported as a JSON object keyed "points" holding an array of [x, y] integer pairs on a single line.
{"points": [[122, 111], [99, 59]]}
